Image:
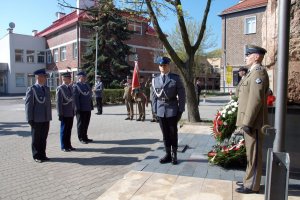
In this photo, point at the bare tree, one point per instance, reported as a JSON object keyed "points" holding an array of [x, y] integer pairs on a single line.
{"points": [[184, 66]]}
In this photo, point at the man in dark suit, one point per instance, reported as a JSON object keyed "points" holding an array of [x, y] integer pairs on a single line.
{"points": [[98, 94], [83, 105], [65, 111], [168, 104], [38, 114]]}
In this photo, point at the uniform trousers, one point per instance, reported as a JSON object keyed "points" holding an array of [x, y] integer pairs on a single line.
{"points": [[129, 107], [168, 126], [83, 121], [141, 107], [39, 133], [99, 104], [65, 132], [253, 143]]}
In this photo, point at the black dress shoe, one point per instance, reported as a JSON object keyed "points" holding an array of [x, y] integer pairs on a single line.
{"points": [[72, 149], [153, 120], [38, 160], [240, 183], [83, 142], [127, 118], [139, 119], [245, 190], [65, 150], [89, 140]]}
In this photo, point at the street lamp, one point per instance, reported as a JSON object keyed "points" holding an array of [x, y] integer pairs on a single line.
{"points": [[96, 60]]}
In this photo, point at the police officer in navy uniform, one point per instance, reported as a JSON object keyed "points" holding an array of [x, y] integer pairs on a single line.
{"points": [[98, 94], [38, 114], [83, 105], [252, 116], [168, 104], [65, 111]]}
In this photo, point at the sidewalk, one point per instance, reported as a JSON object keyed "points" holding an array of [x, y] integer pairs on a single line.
{"points": [[192, 178]]}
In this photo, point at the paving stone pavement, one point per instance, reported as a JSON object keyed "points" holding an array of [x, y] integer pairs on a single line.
{"points": [[83, 174]]}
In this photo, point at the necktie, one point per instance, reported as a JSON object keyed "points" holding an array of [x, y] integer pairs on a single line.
{"points": [[164, 78]]}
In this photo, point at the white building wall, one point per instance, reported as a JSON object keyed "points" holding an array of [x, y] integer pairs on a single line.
{"points": [[25, 42], [4, 46]]}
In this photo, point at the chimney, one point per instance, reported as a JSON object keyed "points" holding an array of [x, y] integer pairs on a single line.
{"points": [[10, 30], [60, 15], [34, 32], [84, 4]]}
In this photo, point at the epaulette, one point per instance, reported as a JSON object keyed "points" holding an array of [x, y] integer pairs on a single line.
{"points": [[259, 68]]}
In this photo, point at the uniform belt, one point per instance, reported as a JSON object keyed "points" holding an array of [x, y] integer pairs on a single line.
{"points": [[167, 100]]}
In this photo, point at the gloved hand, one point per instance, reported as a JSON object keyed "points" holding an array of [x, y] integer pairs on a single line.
{"points": [[179, 114], [246, 129], [60, 117], [30, 122]]}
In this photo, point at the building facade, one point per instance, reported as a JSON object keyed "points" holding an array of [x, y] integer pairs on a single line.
{"points": [[241, 25], [20, 56], [67, 38]]}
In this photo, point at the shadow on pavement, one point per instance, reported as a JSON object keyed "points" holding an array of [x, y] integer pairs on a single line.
{"points": [[6, 128], [116, 150], [101, 160], [128, 142]]}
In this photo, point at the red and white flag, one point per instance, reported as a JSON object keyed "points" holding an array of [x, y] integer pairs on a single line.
{"points": [[135, 77]]}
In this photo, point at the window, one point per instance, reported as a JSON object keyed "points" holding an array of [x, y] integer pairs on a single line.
{"points": [[41, 56], [30, 56], [19, 55], [75, 50], [20, 80], [135, 26], [63, 53], [132, 57], [55, 57], [49, 57], [250, 25]]}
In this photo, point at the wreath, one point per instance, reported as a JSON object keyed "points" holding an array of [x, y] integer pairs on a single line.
{"points": [[229, 151]]}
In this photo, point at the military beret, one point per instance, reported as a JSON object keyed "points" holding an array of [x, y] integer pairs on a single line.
{"points": [[243, 69], [81, 73], [66, 74], [250, 49], [40, 72], [164, 60]]}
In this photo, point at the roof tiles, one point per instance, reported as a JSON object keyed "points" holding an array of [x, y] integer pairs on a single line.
{"points": [[245, 5]]}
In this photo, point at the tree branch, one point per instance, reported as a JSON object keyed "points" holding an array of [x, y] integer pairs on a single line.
{"points": [[203, 26], [161, 35], [183, 30]]}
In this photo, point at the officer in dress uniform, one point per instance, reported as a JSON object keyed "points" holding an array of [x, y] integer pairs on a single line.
{"points": [[128, 98], [98, 94], [38, 115], [252, 115], [149, 85], [168, 104], [82, 95], [65, 111]]}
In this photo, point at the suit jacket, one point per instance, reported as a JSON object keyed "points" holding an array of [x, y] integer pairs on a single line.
{"points": [[252, 108], [38, 104], [98, 89], [82, 96], [168, 98], [64, 101]]}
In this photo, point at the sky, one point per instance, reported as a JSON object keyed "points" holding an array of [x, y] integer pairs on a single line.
{"points": [[31, 15]]}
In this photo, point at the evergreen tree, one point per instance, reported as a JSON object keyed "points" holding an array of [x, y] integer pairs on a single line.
{"points": [[112, 52]]}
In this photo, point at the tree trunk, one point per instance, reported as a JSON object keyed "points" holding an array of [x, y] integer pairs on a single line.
{"points": [[192, 104]]}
